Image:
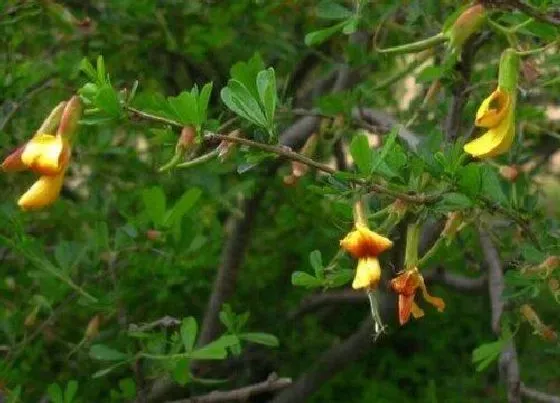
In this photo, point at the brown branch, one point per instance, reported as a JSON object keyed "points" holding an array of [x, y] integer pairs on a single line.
{"points": [[538, 396], [329, 364], [456, 281], [509, 366], [271, 384], [526, 8]]}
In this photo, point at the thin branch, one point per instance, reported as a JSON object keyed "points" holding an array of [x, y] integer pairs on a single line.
{"points": [[152, 117], [538, 396], [509, 365], [329, 364], [28, 95], [272, 383], [533, 12], [286, 152]]}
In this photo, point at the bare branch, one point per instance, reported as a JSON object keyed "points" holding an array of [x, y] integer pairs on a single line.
{"points": [[509, 366], [456, 281], [329, 364], [272, 383], [538, 396]]}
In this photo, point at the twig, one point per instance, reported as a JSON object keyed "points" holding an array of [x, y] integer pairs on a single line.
{"points": [[155, 118], [272, 383], [286, 152], [329, 364], [282, 151], [509, 366], [538, 396], [531, 11], [30, 93], [166, 321]]}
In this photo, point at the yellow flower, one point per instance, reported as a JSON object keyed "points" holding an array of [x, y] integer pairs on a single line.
{"points": [[47, 155], [405, 285], [497, 112], [365, 245], [363, 242]]}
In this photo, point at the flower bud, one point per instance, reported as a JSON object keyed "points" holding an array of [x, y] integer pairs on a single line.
{"points": [[467, 24], [92, 329], [225, 148], [186, 139], [509, 172], [31, 318], [153, 235], [70, 117], [13, 162]]}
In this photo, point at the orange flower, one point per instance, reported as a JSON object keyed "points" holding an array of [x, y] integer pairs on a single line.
{"points": [[365, 245], [406, 285], [47, 154]]}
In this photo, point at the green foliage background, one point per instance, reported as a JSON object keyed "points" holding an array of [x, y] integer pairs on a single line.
{"points": [[94, 239]]}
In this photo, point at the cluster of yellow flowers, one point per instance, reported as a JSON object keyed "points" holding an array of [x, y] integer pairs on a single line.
{"points": [[47, 154], [366, 245]]}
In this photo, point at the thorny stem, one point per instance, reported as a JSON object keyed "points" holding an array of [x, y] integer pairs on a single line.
{"points": [[417, 198], [431, 252]]}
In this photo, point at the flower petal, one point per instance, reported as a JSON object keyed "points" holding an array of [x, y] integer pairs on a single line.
{"points": [[46, 154], [368, 273], [42, 193], [417, 312], [13, 162], [363, 242], [493, 109], [495, 141], [435, 301], [406, 303]]}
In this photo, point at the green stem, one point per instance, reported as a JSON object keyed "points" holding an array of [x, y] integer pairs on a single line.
{"points": [[412, 241], [403, 73], [416, 46], [198, 160], [431, 252]]}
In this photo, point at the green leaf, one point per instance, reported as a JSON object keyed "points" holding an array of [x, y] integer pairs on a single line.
{"points": [[429, 74], [188, 331], [55, 393], [181, 372], [350, 26], [339, 278], [487, 353], [185, 203], [330, 10], [227, 317], [185, 107], [203, 100], [320, 36], [238, 98], [266, 85], [216, 350], [387, 147], [491, 186], [105, 371], [246, 73], [361, 153], [88, 69], [470, 179], [108, 100], [155, 204], [453, 201], [303, 279], [260, 338], [103, 353], [70, 392], [317, 263], [128, 388], [101, 72]]}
